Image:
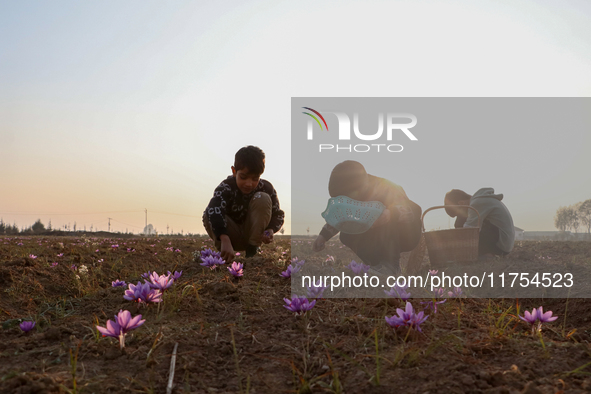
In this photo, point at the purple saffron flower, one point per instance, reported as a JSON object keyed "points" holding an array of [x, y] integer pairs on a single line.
{"points": [[54, 264], [27, 326], [160, 282], [539, 316], [398, 292], [142, 293], [457, 293], [433, 272], [208, 252], [118, 283], [32, 256], [295, 261], [175, 276], [438, 292], [146, 275], [290, 270], [74, 267], [299, 305], [121, 326], [316, 291], [530, 318], [212, 261], [407, 317], [60, 255], [358, 268], [236, 269], [545, 317]]}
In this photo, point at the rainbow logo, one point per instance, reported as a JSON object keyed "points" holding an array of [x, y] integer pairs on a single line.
{"points": [[315, 118]]}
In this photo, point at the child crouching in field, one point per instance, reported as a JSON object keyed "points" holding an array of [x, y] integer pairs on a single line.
{"points": [[497, 233], [398, 229], [244, 210]]}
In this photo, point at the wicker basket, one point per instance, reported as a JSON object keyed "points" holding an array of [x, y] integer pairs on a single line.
{"points": [[453, 246]]}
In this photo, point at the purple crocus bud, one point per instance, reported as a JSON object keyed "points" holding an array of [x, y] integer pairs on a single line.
{"points": [[27, 326], [118, 283], [236, 269], [545, 317], [530, 318], [295, 261], [433, 272], [291, 269], [358, 268], [298, 305], [175, 276], [146, 275]]}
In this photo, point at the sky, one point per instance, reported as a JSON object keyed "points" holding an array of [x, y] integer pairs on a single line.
{"points": [[110, 108]]}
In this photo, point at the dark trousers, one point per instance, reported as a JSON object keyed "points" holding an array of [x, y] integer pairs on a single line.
{"points": [[383, 244], [487, 241]]}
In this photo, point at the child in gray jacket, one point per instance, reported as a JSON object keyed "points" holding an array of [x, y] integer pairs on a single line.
{"points": [[497, 233]]}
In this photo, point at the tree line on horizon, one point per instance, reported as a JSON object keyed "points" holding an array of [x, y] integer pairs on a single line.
{"points": [[38, 228], [573, 217]]}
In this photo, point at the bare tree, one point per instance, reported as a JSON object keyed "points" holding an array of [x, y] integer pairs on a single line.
{"points": [[561, 219], [585, 214]]}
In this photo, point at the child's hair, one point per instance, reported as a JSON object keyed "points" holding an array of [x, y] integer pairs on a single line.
{"points": [[346, 177], [453, 197], [251, 157]]}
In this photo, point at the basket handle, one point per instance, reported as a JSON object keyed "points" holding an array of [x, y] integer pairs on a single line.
{"points": [[445, 206]]}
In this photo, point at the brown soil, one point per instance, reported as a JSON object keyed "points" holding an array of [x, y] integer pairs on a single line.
{"points": [[234, 335]]}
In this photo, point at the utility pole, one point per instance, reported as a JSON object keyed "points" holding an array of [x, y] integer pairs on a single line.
{"points": [[167, 229], [109, 224], [146, 216]]}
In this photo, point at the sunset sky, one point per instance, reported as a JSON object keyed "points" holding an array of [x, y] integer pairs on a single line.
{"points": [[109, 108]]}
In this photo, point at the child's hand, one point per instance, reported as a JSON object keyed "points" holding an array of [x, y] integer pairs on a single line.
{"points": [[383, 219], [267, 237], [227, 250], [319, 244]]}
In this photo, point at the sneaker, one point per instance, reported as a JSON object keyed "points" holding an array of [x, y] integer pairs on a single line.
{"points": [[252, 250]]}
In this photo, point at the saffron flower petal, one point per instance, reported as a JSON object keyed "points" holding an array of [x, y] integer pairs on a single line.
{"points": [[27, 326]]}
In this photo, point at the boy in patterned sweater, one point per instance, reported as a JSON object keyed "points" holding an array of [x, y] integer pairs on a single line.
{"points": [[244, 210]]}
